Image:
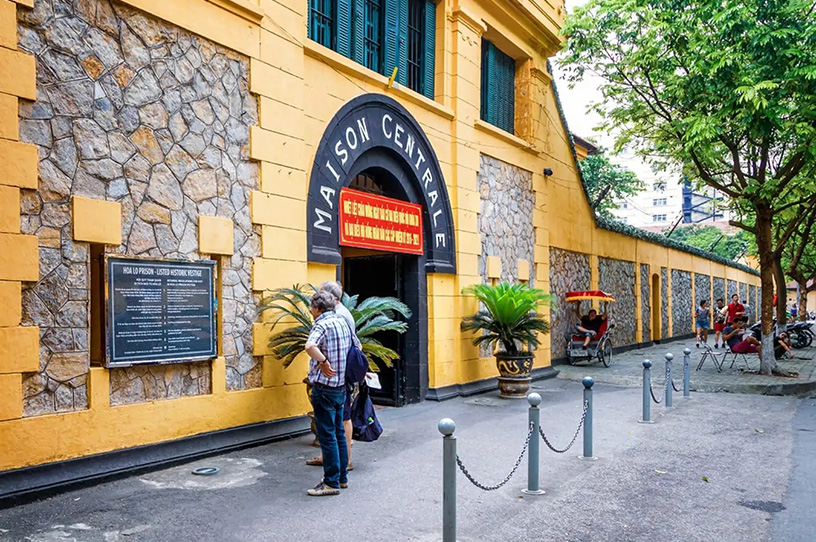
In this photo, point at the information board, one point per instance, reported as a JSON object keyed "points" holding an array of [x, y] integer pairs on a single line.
{"points": [[160, 311]]}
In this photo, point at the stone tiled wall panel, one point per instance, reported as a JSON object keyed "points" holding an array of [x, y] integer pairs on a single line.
{"points": [[719, 290], [506, 217], [732, 289], [569, 271], [702, 289], [752, 301], [743, 292], [681, 303], [618, 278], [133, 110], [646, 301], [664, 303]]}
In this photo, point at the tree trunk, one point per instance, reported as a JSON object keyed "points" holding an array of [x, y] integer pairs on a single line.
{"points": [[803, 295], [782, 296], [764, 238]]}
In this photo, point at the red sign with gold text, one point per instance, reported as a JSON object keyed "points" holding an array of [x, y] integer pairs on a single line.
{"points": [[379, 223]]}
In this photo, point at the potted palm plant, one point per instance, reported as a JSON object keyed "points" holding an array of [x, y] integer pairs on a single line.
{"points": [[371, 316], [508, 318]]}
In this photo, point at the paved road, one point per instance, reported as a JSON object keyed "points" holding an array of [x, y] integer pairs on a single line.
{"points": [[647, 485], [796, 522]]}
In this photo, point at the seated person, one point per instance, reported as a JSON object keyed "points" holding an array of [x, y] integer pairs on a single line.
{"points": [[782, 346], [739, 341], [590, 323]]}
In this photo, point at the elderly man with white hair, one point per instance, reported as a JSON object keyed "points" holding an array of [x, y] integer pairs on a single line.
{"points": [[336, 291]]}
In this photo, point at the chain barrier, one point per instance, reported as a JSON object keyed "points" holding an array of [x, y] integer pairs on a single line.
{"points": [[651, 391], [574, 437], [507, 478], [675, 388]]}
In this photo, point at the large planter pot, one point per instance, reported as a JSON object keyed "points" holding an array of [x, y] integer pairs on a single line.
{"points": [[514, 375]]}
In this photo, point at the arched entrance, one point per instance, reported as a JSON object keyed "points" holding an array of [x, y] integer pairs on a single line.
{"points": [[655, 310], [374, 145]]}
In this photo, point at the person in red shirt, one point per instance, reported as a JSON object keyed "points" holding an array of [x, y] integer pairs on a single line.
{"points": [[735, 309]]}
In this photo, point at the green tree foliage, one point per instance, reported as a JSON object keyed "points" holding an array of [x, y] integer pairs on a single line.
{"points": [[598, 173], [711, 238], [726, 88]]}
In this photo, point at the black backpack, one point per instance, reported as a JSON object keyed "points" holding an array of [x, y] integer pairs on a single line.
{"points": [[365, 425]]}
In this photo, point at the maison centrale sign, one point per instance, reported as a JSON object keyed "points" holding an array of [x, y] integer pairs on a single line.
{"points": [[160, 311], [379, 223], [375, 133]]}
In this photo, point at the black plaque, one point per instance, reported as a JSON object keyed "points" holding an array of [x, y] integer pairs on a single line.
{"points": [[160, 311]]}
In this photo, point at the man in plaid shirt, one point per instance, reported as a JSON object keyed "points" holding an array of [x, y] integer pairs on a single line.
{"points": [[328, 345]]}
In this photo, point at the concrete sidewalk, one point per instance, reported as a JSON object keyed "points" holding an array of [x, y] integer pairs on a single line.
{"points": [[627, 370], [647, 485]]}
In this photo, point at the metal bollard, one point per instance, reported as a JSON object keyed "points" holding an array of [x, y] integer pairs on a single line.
{"points": [[669, 387], [647, 401], [687, 374], [447, 426], [534, 418], [588, 381]]}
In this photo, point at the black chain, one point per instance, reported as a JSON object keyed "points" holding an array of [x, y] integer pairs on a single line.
{"points": [[675, 388], [574, 437], [651, 391], [507, 478]]}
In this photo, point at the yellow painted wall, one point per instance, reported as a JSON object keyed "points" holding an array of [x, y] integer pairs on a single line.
{"points": [[300, 86]]}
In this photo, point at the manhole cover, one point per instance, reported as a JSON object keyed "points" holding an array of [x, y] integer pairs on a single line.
{"points": [[206, 471], [763, 506]]}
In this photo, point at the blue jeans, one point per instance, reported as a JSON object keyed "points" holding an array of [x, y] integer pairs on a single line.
{"points": [[328, 414]]}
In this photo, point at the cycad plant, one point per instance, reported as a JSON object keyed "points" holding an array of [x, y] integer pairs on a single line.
{"points": [[375, 314], [508, 315]]}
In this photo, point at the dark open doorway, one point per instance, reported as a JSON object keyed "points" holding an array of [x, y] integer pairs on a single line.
{"points": [[369, 273]]}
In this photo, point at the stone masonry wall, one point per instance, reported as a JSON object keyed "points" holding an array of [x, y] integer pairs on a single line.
{"points": [[664, 303], [681, 303], [569, 271], [646, 301], [506, 217], [743, 292], [137, 111], [618, 278], [719, 291], [732, 289], [702, 289]]}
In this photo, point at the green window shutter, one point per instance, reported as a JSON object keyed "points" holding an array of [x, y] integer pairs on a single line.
{"points": [[430, 49], [358, 32], [343, 44], [485, 95], [402, 43], [391, 36], [498, 87]]}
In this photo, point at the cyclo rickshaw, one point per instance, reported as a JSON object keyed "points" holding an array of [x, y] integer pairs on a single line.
{"points": [[600, 346]]}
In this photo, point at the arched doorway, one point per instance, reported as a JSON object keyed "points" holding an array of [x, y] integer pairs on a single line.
{"points": [[374, 145], [655, 308]]}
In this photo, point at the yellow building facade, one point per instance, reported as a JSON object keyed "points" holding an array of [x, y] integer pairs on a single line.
{"points": [[221, 130]]}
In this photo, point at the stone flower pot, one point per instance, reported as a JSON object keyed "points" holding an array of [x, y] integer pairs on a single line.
{"points": [[514, 375]]}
